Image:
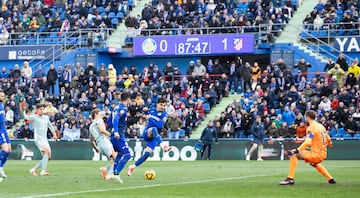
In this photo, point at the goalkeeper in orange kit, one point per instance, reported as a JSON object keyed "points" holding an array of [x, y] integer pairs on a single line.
{"points": [[318, 140]]}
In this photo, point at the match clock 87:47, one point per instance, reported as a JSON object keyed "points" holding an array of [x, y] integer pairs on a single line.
{"points": [[192, 48], [193, 44]]}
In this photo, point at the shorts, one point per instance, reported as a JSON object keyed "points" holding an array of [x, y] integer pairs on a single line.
{"points": [[120, 146], [105, 148], [43, 145], [313, 158], [4, 138], [151, 142]]}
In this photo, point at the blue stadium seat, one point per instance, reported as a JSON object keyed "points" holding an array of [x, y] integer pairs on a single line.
{"points": [[101, 9], [323, 33], [72, 41], [120, 15], [114, 22], [332, 132], [31, 42], [314, 33], [53, 34], [336, 136], [347, 136], [47, 41], [357, 136], [251, 136], [341, 131], [111, 15]]}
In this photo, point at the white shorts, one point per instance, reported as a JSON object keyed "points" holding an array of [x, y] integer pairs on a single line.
{"points": [[105, 148], [43, 145]]}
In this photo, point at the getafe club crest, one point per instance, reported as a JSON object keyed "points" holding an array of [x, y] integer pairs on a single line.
{"points": [[149, 46], [238, 44]]}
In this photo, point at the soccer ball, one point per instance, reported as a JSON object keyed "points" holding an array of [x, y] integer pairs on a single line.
{"points": [[150, 175]]}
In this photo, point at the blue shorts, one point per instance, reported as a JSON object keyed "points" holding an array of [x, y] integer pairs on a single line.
{"points": [[4, 138], [151, 142], [120, 146]]}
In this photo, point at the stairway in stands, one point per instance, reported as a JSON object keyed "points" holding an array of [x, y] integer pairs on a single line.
{"points": [[290, 38], [215, 111], [118, 37]]}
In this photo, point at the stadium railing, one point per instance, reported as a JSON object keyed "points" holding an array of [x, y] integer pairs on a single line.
{"points": [[328, 31], [261, 31], [68, 39]]}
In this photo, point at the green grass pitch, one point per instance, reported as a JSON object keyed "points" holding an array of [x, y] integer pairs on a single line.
{"points": [[182, 179]]}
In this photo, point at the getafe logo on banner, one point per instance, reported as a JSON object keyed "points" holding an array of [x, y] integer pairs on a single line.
{"points": [[347, 44]]}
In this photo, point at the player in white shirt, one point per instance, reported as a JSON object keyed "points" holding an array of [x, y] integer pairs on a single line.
{"points": [[100, 141], [41, 125]]}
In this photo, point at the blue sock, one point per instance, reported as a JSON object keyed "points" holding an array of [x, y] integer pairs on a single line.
{"points": [[116, 162], [125, 158], [156, 135], [142, 158], [3, 158]]}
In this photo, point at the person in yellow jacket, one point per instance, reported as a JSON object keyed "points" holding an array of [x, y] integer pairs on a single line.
{"points": [[355, 69], [129, 81], [111, 75], [338, 73]]}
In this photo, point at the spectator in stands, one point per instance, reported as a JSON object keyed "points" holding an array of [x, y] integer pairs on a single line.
{"points": [[303, 66], [174, 125], [272, 131], [288, 116], [199, 69], [9, 117], [247, 74], [342, 62], [4, 74], [301, 130], [228, 129], [338, 73], [329, 65], [39, 73], [351, 126], [318, 22], [111, 76], [25, 132], [26, 69], [354, 69], [256, 71]]}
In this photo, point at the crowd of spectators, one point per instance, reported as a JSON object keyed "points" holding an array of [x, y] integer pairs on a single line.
{"points": [[273, 91], [83, 88], [19, 19], [212, 17], [337, 17], [281, 98]]}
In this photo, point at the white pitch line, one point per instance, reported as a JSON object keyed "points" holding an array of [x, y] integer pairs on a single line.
{"points": [[147, 186]]}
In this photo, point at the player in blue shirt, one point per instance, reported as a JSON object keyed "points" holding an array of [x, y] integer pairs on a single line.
{"points": [[4, 138], [117, 136], [156, 121]]}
